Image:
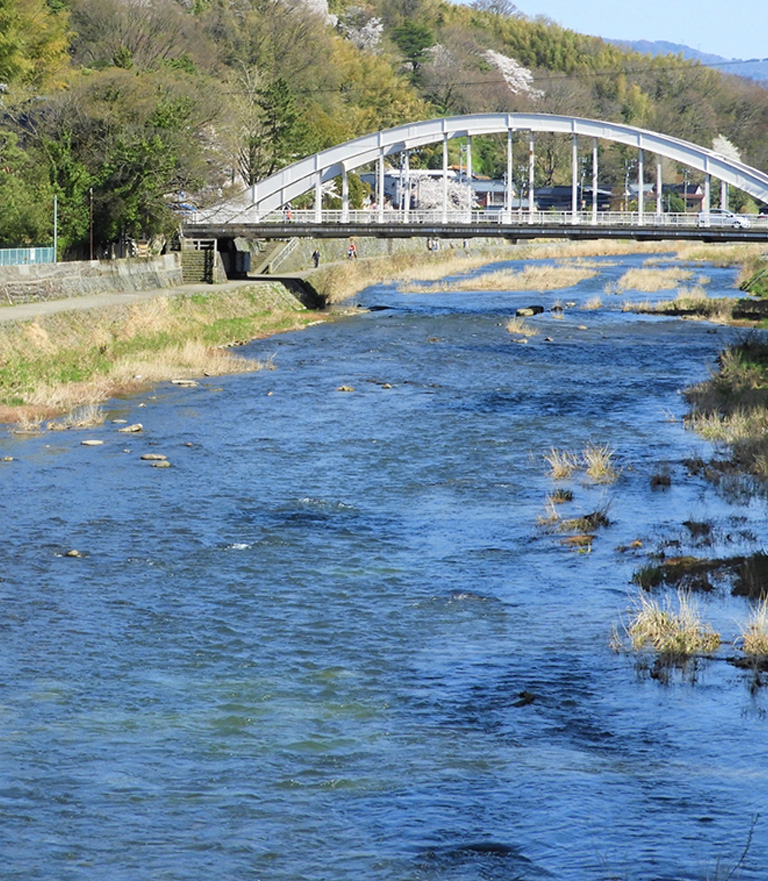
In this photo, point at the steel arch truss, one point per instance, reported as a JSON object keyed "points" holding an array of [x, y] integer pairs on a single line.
{"points": [[311, 173]]}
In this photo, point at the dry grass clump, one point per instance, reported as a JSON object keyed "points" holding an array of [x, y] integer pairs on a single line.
{"points": [[551, 515], [561, 463], [641, 307], [596, 248], [596, 460], [651, 280], [689, 303], [587, 522], [598, 463], [531, 278], [754, 633], [722, 255], [339, 281], [593, 303], [184, 361], [519, 325], [87, 416], [438, 265], [675, 633]]}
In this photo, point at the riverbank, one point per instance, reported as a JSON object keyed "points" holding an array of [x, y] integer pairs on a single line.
{"points": [[81, 354], [61, 355]]}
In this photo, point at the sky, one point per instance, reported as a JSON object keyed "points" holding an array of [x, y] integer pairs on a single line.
{"points": [[731, 28]]}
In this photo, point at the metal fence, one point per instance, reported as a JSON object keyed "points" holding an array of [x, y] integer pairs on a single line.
{"points": [[26, 256]]}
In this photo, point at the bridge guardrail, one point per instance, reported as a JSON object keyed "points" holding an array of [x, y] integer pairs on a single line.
{"points": [[492, 217]]}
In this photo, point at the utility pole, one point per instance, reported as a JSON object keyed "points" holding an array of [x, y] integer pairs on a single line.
{"points": [[90, 200]]}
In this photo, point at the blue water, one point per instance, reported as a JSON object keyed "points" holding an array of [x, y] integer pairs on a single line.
{"points": [[299, 652]]}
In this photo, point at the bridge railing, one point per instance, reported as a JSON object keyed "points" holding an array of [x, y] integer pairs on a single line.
{"points": [[496, 216], [493, 216]]}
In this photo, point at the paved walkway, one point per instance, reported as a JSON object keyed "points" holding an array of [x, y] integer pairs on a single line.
{"points": [[30, 311]]}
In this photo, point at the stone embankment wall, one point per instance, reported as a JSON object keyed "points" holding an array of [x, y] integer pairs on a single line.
{"points": [[299, 258], [55, 281]]}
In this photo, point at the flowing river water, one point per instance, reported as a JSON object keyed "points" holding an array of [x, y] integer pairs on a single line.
{"points": [[333, 640]]}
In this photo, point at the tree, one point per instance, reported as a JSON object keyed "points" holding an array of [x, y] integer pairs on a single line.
{"points": [[268, 130], [495, 7], [34, 43], [26, 197], [137, 35], [135, 139], [413, 40]]}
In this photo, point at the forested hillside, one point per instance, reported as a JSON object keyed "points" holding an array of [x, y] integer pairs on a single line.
{"points": [[122, 108]]}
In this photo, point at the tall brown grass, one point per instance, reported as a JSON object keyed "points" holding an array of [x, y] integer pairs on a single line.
{"points": [[691, 303], [531, 278], [561, 463], [754, 633], [651, 280], [519, 325], [598, 463], [674, 632], [73, 358]]}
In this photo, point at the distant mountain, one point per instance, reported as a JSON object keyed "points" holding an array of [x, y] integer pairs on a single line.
{"points": [[753, 70]]}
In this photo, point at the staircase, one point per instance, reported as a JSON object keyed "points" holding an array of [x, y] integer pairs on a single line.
{"points": [[197, 261]]}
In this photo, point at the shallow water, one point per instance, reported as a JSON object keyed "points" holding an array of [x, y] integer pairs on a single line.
{"points": [[299, 652]]}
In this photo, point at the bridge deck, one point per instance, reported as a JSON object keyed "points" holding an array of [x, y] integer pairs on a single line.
{"points": [[512, 231]]}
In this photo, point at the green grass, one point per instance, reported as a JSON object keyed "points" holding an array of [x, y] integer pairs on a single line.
{"points": [[110, 346]]}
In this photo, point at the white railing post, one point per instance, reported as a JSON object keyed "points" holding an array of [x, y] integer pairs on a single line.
{"points": [[574, 178], [344, 194], [594, 181], [659, 187], [531, 194], [509, 182], [707, 195], [405, 197], [380, 192], [445, 177], [469, 176]]}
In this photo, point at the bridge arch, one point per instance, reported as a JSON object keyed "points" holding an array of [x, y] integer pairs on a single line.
{"points": [[310, 173]]}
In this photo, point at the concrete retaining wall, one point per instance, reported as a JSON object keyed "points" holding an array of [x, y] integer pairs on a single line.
{"points": [[55, 281], [331, 250]]}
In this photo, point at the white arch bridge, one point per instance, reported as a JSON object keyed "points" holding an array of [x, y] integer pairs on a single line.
{"points": [[260, 210]]}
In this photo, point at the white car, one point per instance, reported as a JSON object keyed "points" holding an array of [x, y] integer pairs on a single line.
{"points": [[722, 217]]}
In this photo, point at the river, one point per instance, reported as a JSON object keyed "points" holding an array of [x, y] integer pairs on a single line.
{"points": [[333, 641]]}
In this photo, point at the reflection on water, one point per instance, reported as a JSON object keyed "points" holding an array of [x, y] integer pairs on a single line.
{"points": [[333, 639]]}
